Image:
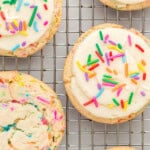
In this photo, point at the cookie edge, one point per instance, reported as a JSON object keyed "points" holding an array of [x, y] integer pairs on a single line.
{"points": [[67, 75]]}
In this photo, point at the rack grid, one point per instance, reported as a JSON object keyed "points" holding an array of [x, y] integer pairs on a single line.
{"points": [[47, 65]]}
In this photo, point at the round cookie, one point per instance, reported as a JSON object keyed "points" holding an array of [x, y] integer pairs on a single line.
{"points": [[106, 74], [127, 4], [26, 26], [121, 148], [31, 116]]}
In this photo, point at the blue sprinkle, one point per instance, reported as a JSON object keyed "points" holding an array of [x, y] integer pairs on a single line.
{"points": [[19, 5], [35, 26], [15, 47], [100, 93], [29, 135], [124, 59], [26, 3]]}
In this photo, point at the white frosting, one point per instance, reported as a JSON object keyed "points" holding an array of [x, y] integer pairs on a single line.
{"points": [[130, 1], [8, 40], [85, 90]]}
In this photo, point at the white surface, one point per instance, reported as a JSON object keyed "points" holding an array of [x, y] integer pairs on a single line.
{"points": [[82, 133]]}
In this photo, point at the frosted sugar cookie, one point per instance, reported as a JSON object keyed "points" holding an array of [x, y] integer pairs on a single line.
{"points": [[107, 75], [26, 26], [127, 4], [122, 148], [31, 116]]}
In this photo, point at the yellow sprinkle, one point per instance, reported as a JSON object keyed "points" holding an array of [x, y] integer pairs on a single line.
{"points": [[140, 66], [21, 83], [125, 105], [111, 106], [112, 47], [82, 68], [0, 25], [33, 80], [133, 72], [24, 33], [15, 22]]}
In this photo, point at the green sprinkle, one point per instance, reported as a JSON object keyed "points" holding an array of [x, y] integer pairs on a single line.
{"points": [[13, 2], [110, 81], [130, 98], [93, 62], [119, 46], [3, 94], [99, 49], [89, 58], [101, 35], [115, 102], [33, 16], [107, 76]]}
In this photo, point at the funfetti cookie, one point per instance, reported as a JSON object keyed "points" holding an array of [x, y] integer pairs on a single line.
{"points": [[26, 26], [31, 116], [122, 148], [127, 4], [107, 75]]}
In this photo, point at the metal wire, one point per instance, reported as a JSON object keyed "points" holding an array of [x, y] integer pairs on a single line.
{"points": [[47, 65]]}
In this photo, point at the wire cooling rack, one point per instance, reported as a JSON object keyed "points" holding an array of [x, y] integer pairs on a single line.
{"points": [[47, 65]]}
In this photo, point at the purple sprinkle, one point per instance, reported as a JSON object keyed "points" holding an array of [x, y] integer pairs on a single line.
{"points": [[106, 38], [13, 25], [107, 60], [137, 78], [39, 16], [7, 27], [23, 43], [3, 85], [99, 86], [86, 77], [32, 6], [20, 26], [112, 42], [143, 93]]}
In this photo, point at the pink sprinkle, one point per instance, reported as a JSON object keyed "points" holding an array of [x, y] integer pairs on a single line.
{"points": [[32, 6], [56, 117], [13, 32], [44, 121], [22, 101], [45, 23], [106, 38], [95, 102], [108, 84], [12, 108], [118, 92], [42, 99], [136, 78], [129, 40], [116, 56]]}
